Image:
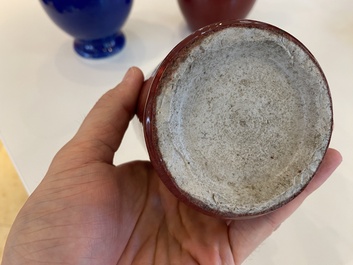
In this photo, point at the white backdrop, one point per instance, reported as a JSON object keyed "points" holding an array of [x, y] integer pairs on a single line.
{"points": [[46, 90]]}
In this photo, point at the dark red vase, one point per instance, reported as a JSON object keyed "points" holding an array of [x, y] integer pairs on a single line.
{"points": [[199, 13]]}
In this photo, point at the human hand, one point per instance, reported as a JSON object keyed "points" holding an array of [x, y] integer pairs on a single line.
{"points": [[88, 211]]}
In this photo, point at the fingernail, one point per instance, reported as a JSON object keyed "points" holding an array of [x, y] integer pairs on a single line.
{"points": [[128, 74]]}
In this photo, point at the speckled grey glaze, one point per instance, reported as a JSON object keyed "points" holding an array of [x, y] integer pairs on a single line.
{"points": [[243, 121]]}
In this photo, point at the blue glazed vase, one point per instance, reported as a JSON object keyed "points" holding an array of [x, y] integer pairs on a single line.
{"points": [[94, 24]]}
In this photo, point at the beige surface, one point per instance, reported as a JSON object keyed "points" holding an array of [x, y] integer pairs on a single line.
{"points": [[12, 196]]}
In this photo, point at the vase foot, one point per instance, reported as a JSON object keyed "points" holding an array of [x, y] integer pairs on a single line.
{"points": [[100, 48]]}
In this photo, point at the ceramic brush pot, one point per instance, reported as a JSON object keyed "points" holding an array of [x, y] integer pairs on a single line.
{"points": [[238, 119]]}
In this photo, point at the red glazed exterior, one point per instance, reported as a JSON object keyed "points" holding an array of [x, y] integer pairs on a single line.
{"points": [[149, 113], [199, 13]]}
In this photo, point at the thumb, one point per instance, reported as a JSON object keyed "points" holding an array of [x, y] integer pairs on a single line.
{"points": [[103, 129]]}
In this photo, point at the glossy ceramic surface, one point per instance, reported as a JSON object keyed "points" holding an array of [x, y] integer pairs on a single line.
{"points": [[199, 13], [257, 139], [94, 24]]}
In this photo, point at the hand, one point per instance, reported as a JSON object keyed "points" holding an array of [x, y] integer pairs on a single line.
{"points": [[88, 211]]}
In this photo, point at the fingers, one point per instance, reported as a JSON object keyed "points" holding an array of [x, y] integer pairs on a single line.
{"points": [[104, 127], [330, 163], [246, 235]]}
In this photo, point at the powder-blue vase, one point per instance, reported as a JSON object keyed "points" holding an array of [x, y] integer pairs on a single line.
{"points": [[94, 24]]}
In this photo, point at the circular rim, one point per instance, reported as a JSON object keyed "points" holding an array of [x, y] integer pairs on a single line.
{"points": [[150, 112]]}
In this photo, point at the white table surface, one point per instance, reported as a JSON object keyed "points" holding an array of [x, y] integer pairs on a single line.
{"points": [[46, 90]]}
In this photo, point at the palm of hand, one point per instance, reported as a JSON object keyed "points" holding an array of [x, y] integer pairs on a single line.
{"points": [[131, 218], [87, 211], [102, 214], [127, 217]]}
